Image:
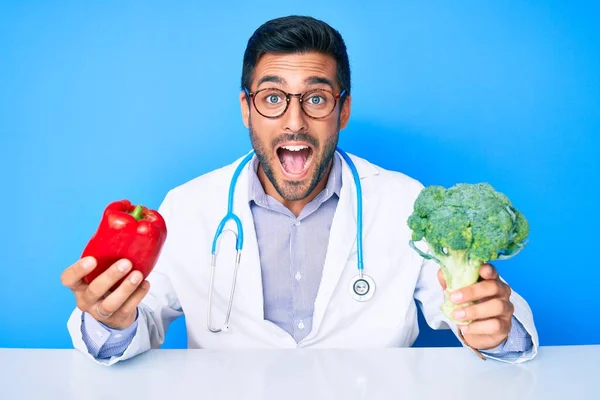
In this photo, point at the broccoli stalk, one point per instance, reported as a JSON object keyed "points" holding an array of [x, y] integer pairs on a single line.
{"points": [[458, 271], [464, 227]]}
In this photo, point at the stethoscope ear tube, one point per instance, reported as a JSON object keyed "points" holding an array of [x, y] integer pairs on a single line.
{"points": [[213, 265]]}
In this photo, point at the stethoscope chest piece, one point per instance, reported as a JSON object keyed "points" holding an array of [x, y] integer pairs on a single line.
{"points": [[362, 287]]}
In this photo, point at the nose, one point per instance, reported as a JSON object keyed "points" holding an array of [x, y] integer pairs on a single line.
{"points": [[295, 120]]}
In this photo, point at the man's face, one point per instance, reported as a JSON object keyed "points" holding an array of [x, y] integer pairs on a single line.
{"points": [[294, 150]]}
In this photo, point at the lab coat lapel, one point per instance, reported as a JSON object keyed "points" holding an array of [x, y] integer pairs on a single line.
{"points": [[342, 241]]}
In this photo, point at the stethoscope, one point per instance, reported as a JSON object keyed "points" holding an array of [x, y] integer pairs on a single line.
{"points": [[362, 286]]}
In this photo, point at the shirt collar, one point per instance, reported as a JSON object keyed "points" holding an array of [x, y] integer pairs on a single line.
{"points": [[257, 194]]}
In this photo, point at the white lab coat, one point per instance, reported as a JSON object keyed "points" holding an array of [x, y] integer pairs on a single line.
{"points": [[181, 278]]}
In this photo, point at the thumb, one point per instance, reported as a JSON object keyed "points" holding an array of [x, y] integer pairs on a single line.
{"points": [[441, 279]]}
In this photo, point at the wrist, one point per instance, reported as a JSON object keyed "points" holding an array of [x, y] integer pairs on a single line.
{"points": [[493, 345], [484, 342], [121, 325]]}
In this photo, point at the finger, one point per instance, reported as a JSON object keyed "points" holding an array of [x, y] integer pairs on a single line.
{"points": [[480, 291], [488, 271], [489, 309], [100, 286], [492, 326], [115, 301], [440, 276], [135, 299], [72, 277]]}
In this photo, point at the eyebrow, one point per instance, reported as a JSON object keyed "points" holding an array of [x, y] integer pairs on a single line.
{"points": [[271, 78], [315, 80], [312, 80]]}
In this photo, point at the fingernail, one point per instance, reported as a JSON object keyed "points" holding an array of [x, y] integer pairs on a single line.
{"points": [[459, 314], [123, 265], [464, 328], [456, 297], [87, 263], [135, 277]]}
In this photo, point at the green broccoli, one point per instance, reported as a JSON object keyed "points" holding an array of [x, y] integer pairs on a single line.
{"points": [[464, 227]]}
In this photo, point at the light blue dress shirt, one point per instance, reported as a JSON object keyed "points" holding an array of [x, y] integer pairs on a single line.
{"points": [[292, 253]]}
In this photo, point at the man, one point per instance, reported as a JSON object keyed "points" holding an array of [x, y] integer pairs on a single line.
{"points": [[296, 199]]}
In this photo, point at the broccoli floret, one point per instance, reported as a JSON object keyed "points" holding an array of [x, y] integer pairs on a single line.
{"points": [[464, 227]]}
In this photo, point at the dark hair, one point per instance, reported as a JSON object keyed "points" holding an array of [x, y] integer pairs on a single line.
{"points": [[296, 34]]}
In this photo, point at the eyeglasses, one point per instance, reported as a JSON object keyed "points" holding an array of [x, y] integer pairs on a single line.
{"points": [[273, 103]]}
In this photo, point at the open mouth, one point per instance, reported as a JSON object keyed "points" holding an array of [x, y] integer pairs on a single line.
{"points": [[295, 159]]}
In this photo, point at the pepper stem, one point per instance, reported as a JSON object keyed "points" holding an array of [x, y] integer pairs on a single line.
{"points": [[137, 213]]}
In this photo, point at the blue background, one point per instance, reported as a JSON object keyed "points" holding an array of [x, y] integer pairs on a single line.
{"points": [[108, 100]]}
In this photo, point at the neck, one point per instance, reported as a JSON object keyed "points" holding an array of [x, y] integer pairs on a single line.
{"points": [[295, 206]]}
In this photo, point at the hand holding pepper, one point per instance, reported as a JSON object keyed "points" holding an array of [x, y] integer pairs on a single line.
{"points": [[128, 237], [120, 305]]}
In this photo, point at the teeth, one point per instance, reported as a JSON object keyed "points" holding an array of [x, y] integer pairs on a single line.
{"points": [[295, 148]]}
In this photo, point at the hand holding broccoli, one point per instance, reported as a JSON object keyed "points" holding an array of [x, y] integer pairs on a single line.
{"points": [[466, 227], [491, 310]]}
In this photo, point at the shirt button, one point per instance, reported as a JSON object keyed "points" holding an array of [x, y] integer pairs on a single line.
{"points": [[298, 276], [297, 223], [301, 325]]}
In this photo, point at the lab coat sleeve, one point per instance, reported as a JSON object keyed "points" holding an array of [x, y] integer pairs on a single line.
{"points": [[430, 296], [157, 310]]}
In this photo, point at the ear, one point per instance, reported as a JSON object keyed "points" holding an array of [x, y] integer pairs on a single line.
{"points": [[245, 109], [345, 112]]}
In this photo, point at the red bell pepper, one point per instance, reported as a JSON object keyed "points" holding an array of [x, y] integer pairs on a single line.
{"points": [[126, 231]]}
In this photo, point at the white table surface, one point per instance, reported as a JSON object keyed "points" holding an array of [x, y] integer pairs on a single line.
{"points": [[571, 373]]}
